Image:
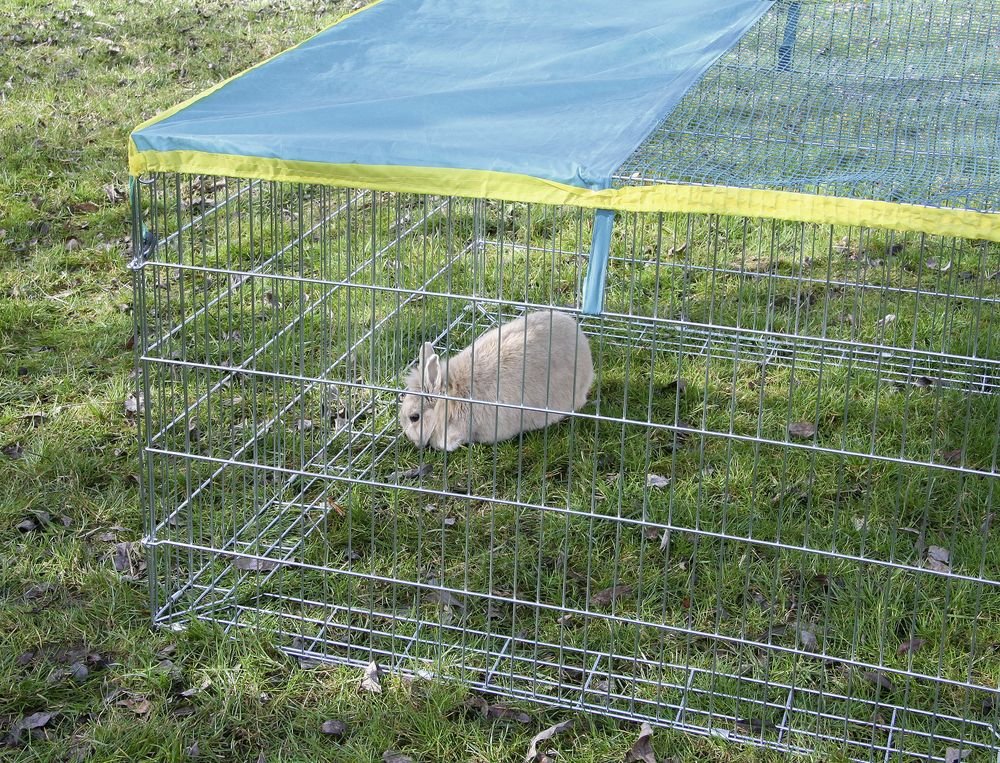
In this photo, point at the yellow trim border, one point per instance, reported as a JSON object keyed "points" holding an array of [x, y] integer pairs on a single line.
{"points": [[722, 200]]}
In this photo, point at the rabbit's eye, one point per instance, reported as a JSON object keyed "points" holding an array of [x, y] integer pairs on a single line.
{"points": [[414, 417]]}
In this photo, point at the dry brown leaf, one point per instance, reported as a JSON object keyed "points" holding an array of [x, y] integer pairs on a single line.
{"points": [[334, 728], [335, 507], [802, 430], [808, 640], [642, 750], [252, 564], [911, 646], [608, 595], [755, 725], [371, 681], [938, 559], [886, 321], [138, 705], [13, 451], [83, 208], [951, 457], [534, 756], [878, 679], [114, 194], [411, 474]]}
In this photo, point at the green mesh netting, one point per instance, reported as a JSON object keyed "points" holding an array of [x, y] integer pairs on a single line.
{"points": [[895, 100]]}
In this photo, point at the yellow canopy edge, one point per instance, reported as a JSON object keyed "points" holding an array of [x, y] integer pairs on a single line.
{"points": [[723, 200]]}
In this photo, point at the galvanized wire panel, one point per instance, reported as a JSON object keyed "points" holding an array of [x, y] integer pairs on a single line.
{"points": [[773, 521], [895, 100]]}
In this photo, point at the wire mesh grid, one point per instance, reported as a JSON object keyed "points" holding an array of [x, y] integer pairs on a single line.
{"points": [[772, 522], [896, 100]]}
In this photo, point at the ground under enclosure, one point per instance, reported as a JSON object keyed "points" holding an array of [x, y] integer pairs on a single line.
{"points": [[774, 520]]}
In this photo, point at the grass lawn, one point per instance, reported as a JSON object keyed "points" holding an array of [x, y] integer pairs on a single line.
{"points": [[76, 642]]}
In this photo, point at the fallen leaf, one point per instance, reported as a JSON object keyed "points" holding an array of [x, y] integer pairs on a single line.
{"points": [[131, 405], [911, 646], [391, 756], [334, 728], [196, 689], [504, 713], [642, 750], [678, 386], [27, 525], [534, 756], [954, 755], [938, 559], [13, 451], [28, 723], [952, 457], [411, 474], [808, 639], [608, 595], [35, 721], [756, 725], [115, 196], [121, 557], [251, 564], [35, 592], [72, 244], [25, 658], [192, 751], [304, 425], [445, 598], [497, 712], [371, 681], [802, 430], [79, 672], [83, 208], [128, 560], [655, 480], [138, 705], [651, 533], [886, 321], [878, 679]]}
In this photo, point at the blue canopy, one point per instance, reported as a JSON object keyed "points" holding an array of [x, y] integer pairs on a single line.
{"points": [[558, 91], [491, 99]]}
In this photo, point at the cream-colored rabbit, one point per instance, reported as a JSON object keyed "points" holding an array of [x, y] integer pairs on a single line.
{"points": [[541, 360]]}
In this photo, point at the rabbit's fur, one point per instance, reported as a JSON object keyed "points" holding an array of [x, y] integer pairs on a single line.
{"points": [[544, 362]]}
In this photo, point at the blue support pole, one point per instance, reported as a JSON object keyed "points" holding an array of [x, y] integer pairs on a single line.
{"points": [[597, 268]]}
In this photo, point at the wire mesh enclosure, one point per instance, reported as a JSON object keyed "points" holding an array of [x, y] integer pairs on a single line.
{"points": [[774, 518]]}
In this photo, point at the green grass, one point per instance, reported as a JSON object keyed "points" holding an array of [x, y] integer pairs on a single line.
{"points": [[72, 84]]}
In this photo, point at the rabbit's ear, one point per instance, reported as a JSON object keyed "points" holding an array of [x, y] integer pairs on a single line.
{"points": [[430, 368]]}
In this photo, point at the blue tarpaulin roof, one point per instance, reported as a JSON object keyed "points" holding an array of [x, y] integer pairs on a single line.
{"points": [[560, 91]]}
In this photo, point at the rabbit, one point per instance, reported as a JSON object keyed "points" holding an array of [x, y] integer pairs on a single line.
{"points": [[544, 362]]}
